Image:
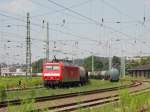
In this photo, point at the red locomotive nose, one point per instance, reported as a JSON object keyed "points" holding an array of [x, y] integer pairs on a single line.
{"points": [[51, 71]]}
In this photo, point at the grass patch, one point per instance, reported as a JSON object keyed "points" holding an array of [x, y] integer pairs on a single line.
{"points": [[94, 84], [13, 82], [128, 77], [127, 103]]}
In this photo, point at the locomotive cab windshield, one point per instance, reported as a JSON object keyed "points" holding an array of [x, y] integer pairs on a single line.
{"points": [[52, 67]]}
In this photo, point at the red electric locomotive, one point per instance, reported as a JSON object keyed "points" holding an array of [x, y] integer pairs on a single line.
{"points": [[61, 73]]}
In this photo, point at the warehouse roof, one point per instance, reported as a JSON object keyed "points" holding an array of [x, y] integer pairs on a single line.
{"points": [[141, 67]]}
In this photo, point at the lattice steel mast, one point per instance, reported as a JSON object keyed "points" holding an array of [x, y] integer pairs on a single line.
{"points": [[47, 43], [28, 48]]}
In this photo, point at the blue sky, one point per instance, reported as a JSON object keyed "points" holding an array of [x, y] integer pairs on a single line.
{"points": [[123, 28]]}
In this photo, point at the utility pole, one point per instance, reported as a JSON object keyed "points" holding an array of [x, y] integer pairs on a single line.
{"points": [[47, 43], [110, 63], [110, 58], [72, 53], [92, 64], [28, 48], [43, 35], [123, 66]]}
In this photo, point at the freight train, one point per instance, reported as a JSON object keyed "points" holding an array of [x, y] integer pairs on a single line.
{"points": [[61, 73]]}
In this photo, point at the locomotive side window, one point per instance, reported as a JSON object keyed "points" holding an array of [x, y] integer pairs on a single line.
{"points": [[52, 67]]}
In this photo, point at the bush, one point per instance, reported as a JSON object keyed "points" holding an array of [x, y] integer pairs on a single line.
{"points": [[3, 94]]}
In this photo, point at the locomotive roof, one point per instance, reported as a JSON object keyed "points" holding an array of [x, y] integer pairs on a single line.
{"points": [[64, 63]]}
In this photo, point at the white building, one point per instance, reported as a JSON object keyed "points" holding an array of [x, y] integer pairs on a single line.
{"points": [[8, 71], [134, 58], [5, 71], [19, 72]]}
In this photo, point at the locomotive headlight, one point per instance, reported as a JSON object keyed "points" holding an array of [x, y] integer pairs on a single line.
{"points": [[46, 74], [51, 74]]}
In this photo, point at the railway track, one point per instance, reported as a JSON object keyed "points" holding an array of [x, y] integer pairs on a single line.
{"points": [[21, 89], [83, 104], [90, 103], [55, 97]]}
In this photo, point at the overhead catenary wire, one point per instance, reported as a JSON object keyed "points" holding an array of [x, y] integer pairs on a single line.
{"points": [[72, 6], [18, 36], [118, 10], [109, 5], [88, 18], [96, 22], [61, 10], [12, 17], [80, 35], [84, 2], [38, 25], [55, 40]]}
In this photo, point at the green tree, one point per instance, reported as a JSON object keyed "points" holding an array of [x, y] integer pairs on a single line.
{"points": [[37, 66], [116, 61], [134, 63], [99, 63], [145, 60], [87, 63]]}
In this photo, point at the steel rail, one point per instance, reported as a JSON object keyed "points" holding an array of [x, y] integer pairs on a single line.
{"points": [[21, 89], [61, 96], [92, 102]]}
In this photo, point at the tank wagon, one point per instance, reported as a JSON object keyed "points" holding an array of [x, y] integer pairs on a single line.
{"points": [[60, 74], [112, 75]]}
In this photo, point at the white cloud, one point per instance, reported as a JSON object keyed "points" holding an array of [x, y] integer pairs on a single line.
{"points": [[17, 6]]}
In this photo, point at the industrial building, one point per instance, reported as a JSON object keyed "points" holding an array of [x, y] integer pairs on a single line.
{"points": [[11, 71], [140, 71]]}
